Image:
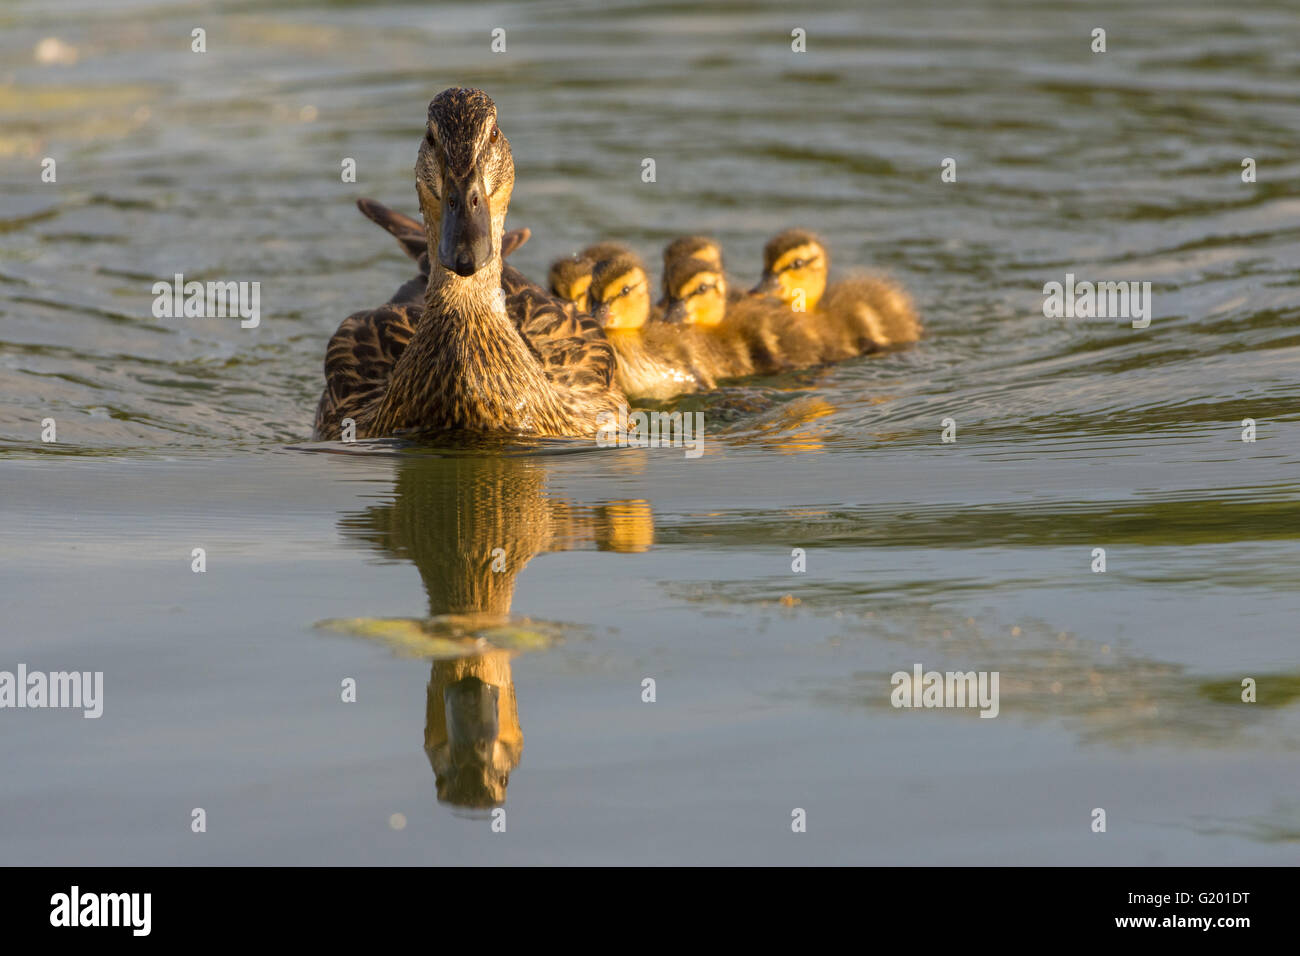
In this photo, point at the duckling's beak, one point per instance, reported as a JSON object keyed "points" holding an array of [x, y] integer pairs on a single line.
{"points": [[768, 285], [600, 312], [676, 312], [465, 243], [472, 724]]}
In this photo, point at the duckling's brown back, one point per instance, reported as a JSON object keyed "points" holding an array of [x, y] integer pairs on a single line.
{"points": [[654, 362], [779, 338], [874, 308], [717, 352]]}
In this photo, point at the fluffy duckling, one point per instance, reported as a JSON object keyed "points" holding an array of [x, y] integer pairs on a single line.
{"points": [[693, 247], [725, 339], [690, 247], [853, 316], [795, 264], [652, 360], [877, 304], [696, 247], [570, 279], [600, 251]]}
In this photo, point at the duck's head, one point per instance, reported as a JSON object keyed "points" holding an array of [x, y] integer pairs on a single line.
{"points": [[464, 175], [690, 247], [471, 763], [620, 293], [570, 279], [696, 292], [600, 251], [794, 262]]}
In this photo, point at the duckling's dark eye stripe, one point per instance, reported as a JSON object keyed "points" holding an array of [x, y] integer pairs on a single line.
{"points": [[801, 264], [626, 290]]}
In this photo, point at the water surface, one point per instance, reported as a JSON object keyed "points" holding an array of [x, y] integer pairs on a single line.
{"points": [[222, 689]]}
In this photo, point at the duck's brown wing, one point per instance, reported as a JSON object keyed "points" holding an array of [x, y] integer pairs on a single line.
{"points": [[407, 231], [571, 346], [513, 239], [411, 292], [513, 282], [359, 360]]}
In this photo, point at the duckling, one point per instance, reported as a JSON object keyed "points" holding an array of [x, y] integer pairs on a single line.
{"points": [[795, 263], [409, 234], [598, 252], [474, 362], [570, 278], [652, 360], [695, 247], [853, 316], [725, 340], [877, 304]]}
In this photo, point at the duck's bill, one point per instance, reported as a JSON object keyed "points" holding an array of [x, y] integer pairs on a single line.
{"points": [[472, 722], [465, 242], [676, 313]]}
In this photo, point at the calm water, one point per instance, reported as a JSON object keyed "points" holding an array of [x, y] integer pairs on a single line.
{"points": [[222, 689]]}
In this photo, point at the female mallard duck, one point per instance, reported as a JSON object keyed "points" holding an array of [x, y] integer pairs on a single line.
{"points": [[856, 315], [476, 361], [653, 361]]}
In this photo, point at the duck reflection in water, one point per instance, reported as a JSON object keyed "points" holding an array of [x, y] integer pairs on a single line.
{"points": [[470, 523]]}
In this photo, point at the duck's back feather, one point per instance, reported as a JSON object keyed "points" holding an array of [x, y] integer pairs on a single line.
{"points": [[571, 346], [359, 360]]}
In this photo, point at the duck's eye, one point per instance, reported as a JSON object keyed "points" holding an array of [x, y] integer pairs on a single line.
{"points": [[626, 290], [798, 263], [474, 202], [451, 202], [496, 131]]}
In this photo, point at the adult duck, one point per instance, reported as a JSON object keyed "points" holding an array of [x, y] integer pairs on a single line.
{"points": [[477, 361]]}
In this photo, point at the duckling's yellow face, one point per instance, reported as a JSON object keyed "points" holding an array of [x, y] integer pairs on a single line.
{"points": [[576, 291], [623, 302], [703, 297], [799, 274]]}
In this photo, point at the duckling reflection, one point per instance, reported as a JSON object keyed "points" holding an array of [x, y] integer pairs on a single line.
{"points": [[470, 524]]}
